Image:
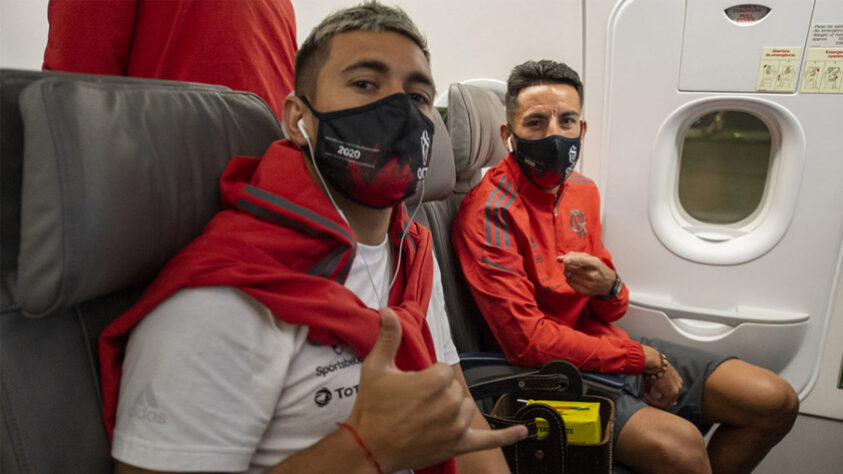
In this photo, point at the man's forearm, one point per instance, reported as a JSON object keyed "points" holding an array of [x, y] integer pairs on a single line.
{"points": [[337, 452], [489, 461]]}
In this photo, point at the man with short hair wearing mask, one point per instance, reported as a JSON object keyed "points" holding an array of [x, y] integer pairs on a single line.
{"points": [[529, 241], [304, 330]]}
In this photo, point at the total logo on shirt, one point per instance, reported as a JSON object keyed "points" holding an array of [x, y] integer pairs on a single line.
{"points": [[323, 396]]}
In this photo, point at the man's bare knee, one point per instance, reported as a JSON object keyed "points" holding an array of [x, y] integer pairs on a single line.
{"points": [[778, 405], [675, 446], [682, 450]]}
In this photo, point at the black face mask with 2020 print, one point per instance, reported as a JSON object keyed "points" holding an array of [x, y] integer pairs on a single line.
{"points": [[376, 154]]}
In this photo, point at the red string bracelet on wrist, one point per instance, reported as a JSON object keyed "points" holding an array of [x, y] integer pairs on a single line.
{"points": [[362, 445]]}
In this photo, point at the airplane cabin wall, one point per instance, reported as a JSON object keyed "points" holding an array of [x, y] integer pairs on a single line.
{"points": [[23, 33], [471, 39]]}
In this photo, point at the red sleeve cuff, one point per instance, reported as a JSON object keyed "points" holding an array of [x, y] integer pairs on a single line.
{"points": [[634, 358]]}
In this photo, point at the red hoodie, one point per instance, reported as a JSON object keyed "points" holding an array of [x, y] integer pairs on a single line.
{"points": [[280, 240], [245, 45], [507, 235]]}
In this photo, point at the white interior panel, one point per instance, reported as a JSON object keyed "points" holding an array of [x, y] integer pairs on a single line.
{"points": [[719, 54], [472, 39], [773, 308], [23, 33], [827, 12], [742, 341]]}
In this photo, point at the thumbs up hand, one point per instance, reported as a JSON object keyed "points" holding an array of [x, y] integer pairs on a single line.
{"points": [[419, 418]]}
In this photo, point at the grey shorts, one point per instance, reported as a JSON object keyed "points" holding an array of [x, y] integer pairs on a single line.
{"points": [[693, 365]]}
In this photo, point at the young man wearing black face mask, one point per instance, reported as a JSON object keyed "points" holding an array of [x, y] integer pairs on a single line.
{"points": [[301, 331], [529, 241]]}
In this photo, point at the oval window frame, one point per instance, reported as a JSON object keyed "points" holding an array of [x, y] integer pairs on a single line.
{"points": [[753, 237]]}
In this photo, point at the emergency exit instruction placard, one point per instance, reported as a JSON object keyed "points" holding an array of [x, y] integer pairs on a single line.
{"points": [[779, 69], [823, 72]]}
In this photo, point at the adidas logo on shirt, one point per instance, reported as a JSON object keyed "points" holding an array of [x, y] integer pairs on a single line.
{"points": [[145, 407]]}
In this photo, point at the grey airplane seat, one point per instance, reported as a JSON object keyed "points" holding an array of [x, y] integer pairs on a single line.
{"points": [[473, 117], [103, 180], [476, 145]]}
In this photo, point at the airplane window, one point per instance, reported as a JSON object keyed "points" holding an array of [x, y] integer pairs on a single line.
{"points": [[724, 165]]}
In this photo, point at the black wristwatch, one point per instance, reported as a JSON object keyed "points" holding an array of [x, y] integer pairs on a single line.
{"points": [[615, 291]]}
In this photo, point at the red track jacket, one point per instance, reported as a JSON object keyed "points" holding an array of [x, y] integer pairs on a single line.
{"points": [[280, 240], [507, 236], [245, 45]]}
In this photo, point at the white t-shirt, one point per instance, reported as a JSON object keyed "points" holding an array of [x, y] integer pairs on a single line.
{"points": [[212, 381]]}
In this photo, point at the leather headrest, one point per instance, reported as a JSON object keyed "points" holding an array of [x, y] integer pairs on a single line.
{"points": [[119, 176], [475, 115]]}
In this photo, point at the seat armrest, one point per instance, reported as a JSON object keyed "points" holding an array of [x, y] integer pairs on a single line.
{"points": [[470, 360], [481, 367], [609, 383]]}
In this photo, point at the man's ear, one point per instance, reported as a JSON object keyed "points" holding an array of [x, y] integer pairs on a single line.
{"points": [[505, 135], [293, 111], [584, 129]]}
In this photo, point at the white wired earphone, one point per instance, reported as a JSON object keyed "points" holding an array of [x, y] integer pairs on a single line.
{"points": [[300, 125]]}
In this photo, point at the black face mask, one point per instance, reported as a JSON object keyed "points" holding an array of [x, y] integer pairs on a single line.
{"points": [[549, 161], [376, 154]]}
